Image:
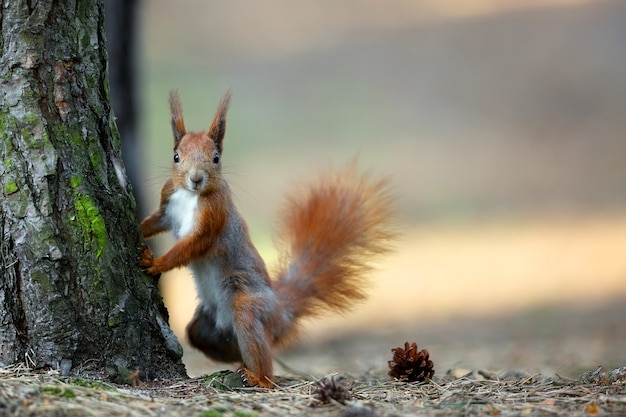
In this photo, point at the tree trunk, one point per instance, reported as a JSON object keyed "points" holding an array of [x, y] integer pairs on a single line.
{"points": [[71, 295]]}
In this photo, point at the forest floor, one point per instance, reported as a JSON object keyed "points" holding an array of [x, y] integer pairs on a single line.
{"points": [[563, 361]]}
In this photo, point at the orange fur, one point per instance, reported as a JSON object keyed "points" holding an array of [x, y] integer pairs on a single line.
{"points": [[202, 243], [330, 233], [255, 338]]}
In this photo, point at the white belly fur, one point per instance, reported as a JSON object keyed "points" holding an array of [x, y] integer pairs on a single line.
{"points": [[208, 277], [207, 274]]}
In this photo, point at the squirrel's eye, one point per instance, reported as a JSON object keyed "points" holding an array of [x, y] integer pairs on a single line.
{"points": [[176, 157], [216, 158]]}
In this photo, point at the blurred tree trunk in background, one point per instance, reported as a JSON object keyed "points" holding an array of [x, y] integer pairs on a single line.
{"points": [[71, 295], [122, 27]]}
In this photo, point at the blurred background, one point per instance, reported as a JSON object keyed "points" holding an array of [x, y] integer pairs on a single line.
{"points": [[501, 124]]}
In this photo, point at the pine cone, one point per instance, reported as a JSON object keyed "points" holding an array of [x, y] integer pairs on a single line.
{"points": [[328, 388], [410, 364]]}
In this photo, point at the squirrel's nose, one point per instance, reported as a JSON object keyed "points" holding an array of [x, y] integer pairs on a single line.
{"points": [[196, 179]]}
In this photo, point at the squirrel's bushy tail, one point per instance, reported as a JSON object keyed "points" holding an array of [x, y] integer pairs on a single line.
{"points": [[329, 235]]}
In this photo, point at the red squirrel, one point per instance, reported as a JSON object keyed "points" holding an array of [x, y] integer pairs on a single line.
{"points": [[330, 232]]}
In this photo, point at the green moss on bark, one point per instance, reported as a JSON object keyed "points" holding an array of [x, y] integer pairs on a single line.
{"points": [[43, 281], [91, 223], [75, 181], [18, 202], [10, 187]]}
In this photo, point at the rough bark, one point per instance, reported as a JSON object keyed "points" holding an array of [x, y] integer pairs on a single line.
{"points": [[71, 295]]}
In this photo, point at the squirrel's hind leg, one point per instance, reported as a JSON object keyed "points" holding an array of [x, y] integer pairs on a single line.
{"points": [[254, 340]]}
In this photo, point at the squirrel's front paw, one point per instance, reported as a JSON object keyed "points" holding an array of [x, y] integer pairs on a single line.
{"points": [[146, 262]]}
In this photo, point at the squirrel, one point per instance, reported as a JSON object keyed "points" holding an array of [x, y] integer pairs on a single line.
{"points": [[329, 234]]}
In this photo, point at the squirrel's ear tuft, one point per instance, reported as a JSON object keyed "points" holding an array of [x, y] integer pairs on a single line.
{"points": [[176, 110], [218, 126]]}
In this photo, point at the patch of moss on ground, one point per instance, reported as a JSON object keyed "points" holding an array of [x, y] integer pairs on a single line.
{"points": [[90, 383], [58, 391]]}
